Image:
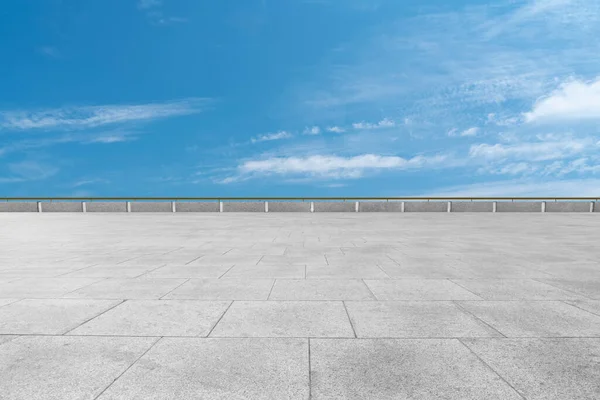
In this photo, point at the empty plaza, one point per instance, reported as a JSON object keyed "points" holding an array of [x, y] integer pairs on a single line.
{"points": [[299, 305]]}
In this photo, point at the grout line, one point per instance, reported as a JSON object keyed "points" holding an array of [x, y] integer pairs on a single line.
{"points": [[127, 369], [94, 317], [219, 320], [272, 286], [82, 287], [189, 262], [492, 369], [227, 251], [147, 272], [369, 289], [305, 267], [229, 269], [565, 290], [349, 319], [384, 271], [175, 288], [70, 272], [468, 290], [260, 259], [460, 307], [326, 260], [309, 373], [582, 309]]}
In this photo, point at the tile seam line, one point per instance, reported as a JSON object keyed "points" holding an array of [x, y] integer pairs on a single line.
{"points": [[464, 310], [582, 309], [175, 288], [94, 317], [128, 368], [468, 290], [491, 369], [349, 319], [272, 286], [369, 289], [309, 373], [566, 290], [219, 320], [82, 287]]}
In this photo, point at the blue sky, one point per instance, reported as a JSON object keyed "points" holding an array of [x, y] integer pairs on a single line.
{"points": [[300, 98]]}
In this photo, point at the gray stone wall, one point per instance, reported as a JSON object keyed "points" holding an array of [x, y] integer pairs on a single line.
{"points": [[106, 206]]}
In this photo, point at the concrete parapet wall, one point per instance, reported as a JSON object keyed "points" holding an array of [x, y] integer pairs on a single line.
{"points": [[14, 206], [426, 206], [335, 206], [519, 206], [597, 206], [197, 206], [380, 206], [289, 206], [568, 206], [472, 206], [66, 206], [243, 206], [141, 206], [106, 206]]}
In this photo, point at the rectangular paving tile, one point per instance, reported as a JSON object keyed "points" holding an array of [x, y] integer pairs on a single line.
{"points": [[49, 316], [588, 287], [156, 318], [4, 302], [314, 289], [543, 369], [419, 289], [366, 271], [411, 319], [401, 369], [423, 272], [210, 369], [514, 289], [136, 288], [110, 271], [65, 368], [223, 289], [592, 306], [535, 318], [189, 271], [43, 287], [266, 272], [7, 338], [284, 319]]}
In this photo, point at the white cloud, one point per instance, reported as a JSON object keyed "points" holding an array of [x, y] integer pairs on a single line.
{"points": [[315, 130], [468, 132], [272, 136], [336, 129], [531, 151], [29, 171], [145, 4], [86, 182], [574, 100], [94, 116], [384, 123]]}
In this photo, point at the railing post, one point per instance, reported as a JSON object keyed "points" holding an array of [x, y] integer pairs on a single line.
{"points": [[449, 206], [220, 206], [402, 206], [312, 206], [173, 207], [356, 206], [83, 206], [543, 206], [266, 206], [39, 206], [494, 206], [591, 206], [128, 206]]}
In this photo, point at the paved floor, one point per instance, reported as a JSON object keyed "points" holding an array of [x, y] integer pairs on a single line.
{"points": [[292, 306]]}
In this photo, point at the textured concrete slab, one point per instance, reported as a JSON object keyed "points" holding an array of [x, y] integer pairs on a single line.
{"points": [[401, 369], [43, 287], [345, 272], [63, 206], [268, 271], [125, 289], [197, 206], [188, 271], [158, 206], [586, 287], [313, 289], [544, 368], [14, 206], [380, 206], [425, 206], [49, 316], [156, 318], [414, 319], [4, 302], [289, 206], [519, 206], [536, 318], [592, 306], [284, 319], [568, 206], [514, 289], [106, 206], [7, 338], [472, 206], [65, 368], [111, 271], [419, 289], [210, 369], [223, 289], [244, 206], [334, 206]]}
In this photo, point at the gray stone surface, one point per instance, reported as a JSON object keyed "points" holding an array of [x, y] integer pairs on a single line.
{"points": [[65, 368], [380, 206], [243, 206], [519, 206], [49, 316], [401, 369], [472, 206], [514, 289], [360, 271], [284, 319], [535, 318], [156, 318], [223, 289], [313, 289], [115, 288], [111, 271], [151, 206], [592, 306], [426, 206], [18, 206], [267, 271], [414, 319], [106, 206], [43, 287], [568, 206], [189, 271], [334, 206], [62, 206], [419, 289], [586, 287], [210, 369], [544, 368], [597, 206], [289, 206], [197, 206], [4, 302], [7, 338]]}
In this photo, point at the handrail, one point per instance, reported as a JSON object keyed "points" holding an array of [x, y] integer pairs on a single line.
{"points": [[290, 198]]}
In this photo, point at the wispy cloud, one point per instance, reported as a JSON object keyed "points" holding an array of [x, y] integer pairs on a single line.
{"points": [[467, 132], [314, 130], [155, 14], [384, 123], [533, 151], [28, 171], [336, 129], [271, 136], [146, 4], [95, 116], [86, 182]]}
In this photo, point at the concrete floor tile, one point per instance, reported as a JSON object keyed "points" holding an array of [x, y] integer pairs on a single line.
{"points": [[136, 288], [65, 368], [110, 271], [43, 287], [389, 369], [544, 369], [367, 271], [419, 289], [266, 272], [414, 319], [7, 338], [423, 272], [49, 316], [514, 289], [284, 319], [535, 318], [156, 318], [313, 289], [217, 369], [586, 287], [4, 302], [592, 306], [223, 289], [188, 271]]}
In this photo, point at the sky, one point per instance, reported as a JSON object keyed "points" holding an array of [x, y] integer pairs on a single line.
{"points": [[300, 98]]}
